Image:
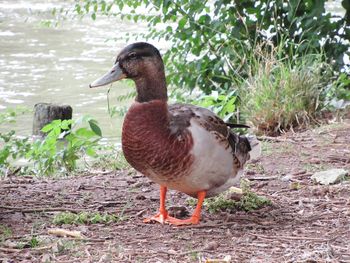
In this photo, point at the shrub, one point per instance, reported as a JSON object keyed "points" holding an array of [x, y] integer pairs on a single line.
{"points": [[64, 145], [66, 141], [279, 95]]}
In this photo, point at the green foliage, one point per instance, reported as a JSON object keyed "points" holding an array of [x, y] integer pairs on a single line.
{"points": [[223, 104], [249, 201], [279, 95], [68, 218], [205, 35], [339, 90], [5, 232], [219, 203], [12, 146], [214, 43], [111, 157], [64, 145], [33, 242]]}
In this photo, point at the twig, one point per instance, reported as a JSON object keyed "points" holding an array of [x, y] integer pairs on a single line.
{"points": [[40, 209], [16, 250], [229, 223], [274, 139], [315, 239], [263, 178], [11, 250], [339, 158], [184, 253]]}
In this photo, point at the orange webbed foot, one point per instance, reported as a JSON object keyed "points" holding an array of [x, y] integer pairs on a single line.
{"points": [[181, 222], [163, 217], [160, 218]]}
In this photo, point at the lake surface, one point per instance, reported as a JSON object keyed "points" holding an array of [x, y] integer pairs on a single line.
{"points": [[56, 64]]}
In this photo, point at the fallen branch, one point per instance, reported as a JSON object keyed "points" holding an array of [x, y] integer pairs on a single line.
{"points": [[274, 139], [315, 239], [60, 232], [40, 209]]}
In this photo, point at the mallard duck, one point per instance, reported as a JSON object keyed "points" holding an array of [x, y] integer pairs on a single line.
{"points": [[180, 146]]}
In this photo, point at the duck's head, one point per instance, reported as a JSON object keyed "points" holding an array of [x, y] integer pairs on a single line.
{"points": [[142, 63]]}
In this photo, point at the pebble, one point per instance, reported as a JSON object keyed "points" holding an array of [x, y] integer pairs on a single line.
{"points": [[328, 177], [178, 211], [213, 245], [287, 178], [140, 197]]}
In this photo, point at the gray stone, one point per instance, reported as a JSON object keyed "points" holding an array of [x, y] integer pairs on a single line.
{"points": [[331, 176], [45, 113]]}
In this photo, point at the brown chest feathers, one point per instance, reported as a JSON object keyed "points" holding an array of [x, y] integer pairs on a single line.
{"points": [[150, 146]]}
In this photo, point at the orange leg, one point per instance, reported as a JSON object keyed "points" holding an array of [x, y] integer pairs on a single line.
{"points": [[196, 216], [163, 217], [163, 214]]}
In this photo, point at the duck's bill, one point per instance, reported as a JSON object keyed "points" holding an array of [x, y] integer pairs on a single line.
{"points": [[114, 74]]}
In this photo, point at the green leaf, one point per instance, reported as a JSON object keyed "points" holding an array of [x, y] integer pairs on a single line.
{"points": [[84, 132], [95, 128], [91, 152], [182, 23]]}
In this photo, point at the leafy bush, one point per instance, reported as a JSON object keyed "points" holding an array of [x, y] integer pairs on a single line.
{"points": [[209, 39], [279, 95], [12, 146], [59, 151], [63, 145], [214, 43]]}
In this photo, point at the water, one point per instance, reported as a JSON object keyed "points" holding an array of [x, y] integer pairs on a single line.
{"points": [[56, 64]]}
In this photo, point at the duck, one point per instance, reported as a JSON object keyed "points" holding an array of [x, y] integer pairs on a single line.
{"points": [[182, 147]]}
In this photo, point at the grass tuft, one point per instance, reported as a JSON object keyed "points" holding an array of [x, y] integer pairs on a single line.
{"points": [[249, 201], [282, 94], [68, 218], [111, 158]]}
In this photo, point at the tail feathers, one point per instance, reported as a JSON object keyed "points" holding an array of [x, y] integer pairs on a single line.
{"points": [[255, 145]]}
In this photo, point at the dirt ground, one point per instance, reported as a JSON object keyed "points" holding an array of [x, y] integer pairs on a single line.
{"points": [[306, 222]]}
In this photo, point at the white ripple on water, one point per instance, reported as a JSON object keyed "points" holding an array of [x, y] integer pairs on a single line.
{"points": [[7, 34], [10, 93], [33, 55]]}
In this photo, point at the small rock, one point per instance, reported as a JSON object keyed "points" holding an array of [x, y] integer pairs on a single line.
{"points": [[286, 178], [140, 197], [213, 245], [329, 177], [178, 211]]}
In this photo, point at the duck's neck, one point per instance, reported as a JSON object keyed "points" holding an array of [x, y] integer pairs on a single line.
{"points": [[151, 87]]}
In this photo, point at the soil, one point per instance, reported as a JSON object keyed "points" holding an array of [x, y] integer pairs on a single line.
{"points": [[305, 223]]}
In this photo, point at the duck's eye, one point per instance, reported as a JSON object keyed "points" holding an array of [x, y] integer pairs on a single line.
{"points": [[132, 55]]}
